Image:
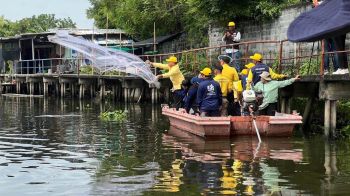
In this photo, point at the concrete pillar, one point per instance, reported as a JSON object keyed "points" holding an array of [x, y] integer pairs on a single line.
{"points": [[327, 117], [330, 118], [46, 89], [31, 88], [333, 119]]}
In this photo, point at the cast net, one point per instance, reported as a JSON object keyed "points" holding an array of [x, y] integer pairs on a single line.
{"points": [[105, 59]]}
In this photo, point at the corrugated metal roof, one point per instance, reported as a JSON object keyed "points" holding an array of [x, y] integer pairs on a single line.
{"points": [[77, 32], [159, 40]]}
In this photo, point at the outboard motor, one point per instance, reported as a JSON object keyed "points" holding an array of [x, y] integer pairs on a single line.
{"points": [[250, 103]]}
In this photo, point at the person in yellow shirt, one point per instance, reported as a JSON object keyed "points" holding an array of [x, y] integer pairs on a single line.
{"points": [[234, 108], [226, 87], [258, 69], [244, 74], [175, 76], [228, 71]]}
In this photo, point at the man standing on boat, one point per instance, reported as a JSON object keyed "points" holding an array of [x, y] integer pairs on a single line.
{"points": [[269, 89], [258, 69], [209, 96], [226, 88], [175, 76], [232, 36], [231, 74]]}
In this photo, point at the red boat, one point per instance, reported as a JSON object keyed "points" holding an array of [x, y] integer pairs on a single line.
{"points": [[281, 125]]}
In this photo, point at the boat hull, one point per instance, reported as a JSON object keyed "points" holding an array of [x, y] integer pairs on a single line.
{"points": [[201, 126], [282, 125]]}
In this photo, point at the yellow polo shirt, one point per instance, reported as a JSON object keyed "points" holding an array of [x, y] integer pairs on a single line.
{"points": [[174, 74]]}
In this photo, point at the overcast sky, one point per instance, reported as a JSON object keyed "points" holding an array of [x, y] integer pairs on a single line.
{"points": [[75, 9]]}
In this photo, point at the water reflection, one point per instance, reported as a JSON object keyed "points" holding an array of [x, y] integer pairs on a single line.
{"points": [[61, 147], [225, 166]]}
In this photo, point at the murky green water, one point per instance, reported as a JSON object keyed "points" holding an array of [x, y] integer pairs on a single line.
{"points": [[43, 153]]}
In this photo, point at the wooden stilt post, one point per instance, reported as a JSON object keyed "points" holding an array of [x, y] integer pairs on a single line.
{"points": [[307, 110], [102, 89], [115, 92], [126, 95], [40, 86], [57, 89], [31, 86], [18, 87], [72, 88], [63, 85], [81, 91], [46, 89], [92, 90], [288, 107]]}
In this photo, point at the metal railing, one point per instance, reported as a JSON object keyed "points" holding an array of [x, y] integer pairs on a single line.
{"points": [[283, 56]]}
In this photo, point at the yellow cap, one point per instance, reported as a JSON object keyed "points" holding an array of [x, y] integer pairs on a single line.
{"points": [[250, 65], [231, 24], [172, 59], [256, 57], [244, 72], [206, 71]]}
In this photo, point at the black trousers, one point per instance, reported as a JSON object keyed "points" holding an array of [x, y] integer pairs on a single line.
{"points": [[177, 100], [339, 43], [270, 110], [233, 108]]}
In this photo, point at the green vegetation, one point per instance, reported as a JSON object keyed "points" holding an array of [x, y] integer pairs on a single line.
{"points": [[194, 17], [310, 67], [117, 115], [34, 24]]}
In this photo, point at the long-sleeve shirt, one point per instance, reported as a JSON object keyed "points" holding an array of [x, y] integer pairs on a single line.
{"points": [[209, 96], [190, 99], [174, 74], [230, 73], [270, 90], [225, 84], [235, 37]]}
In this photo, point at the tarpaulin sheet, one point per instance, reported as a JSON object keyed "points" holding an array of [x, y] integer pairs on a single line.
{"points": [[330, 19]]}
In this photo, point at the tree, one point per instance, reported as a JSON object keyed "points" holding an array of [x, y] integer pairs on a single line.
{"points": [[34, 24], [136, 17]]}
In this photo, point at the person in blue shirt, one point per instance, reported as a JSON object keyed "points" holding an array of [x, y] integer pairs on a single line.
{"points": [[209, 97], [190, 99]]}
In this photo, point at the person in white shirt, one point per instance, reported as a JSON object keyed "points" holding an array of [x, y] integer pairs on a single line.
{"points": [[232, 36]]}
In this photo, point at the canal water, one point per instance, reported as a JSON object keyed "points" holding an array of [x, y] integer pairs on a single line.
{"points": [[62, 147]]}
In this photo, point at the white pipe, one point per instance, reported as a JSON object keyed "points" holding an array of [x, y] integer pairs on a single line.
{"points": [[256, 130]]}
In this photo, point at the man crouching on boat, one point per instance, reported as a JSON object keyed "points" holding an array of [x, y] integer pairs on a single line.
{"points": [[209, 97], [269, 89]]}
